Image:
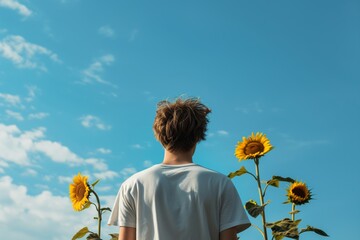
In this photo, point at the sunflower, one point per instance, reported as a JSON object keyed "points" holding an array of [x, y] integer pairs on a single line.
{"points": [[298, 193], [79, 192], [254, 146]]}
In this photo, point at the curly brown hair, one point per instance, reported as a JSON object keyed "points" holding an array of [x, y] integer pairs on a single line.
{"points": [[181, 124]]}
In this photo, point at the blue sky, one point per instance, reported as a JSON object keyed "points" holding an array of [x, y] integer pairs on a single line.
{"points": [[79, 83]]}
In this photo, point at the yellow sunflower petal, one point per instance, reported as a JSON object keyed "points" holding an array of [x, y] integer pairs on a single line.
{"points": [[298, 193], [79, 192], [254, 146]]}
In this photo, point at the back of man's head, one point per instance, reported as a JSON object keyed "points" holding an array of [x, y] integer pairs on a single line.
{"points": [[181, 124]]}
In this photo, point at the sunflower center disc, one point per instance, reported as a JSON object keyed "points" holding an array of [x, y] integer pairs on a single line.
{"points": [[80, 191], [299, 192], [254, 147]]}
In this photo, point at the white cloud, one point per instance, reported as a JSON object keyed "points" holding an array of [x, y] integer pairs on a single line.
{"points": [[24, 54], [30, 172], [103, 150], [98, 164], [103, 188], [222, 133], [106, 175], [3, 164], [107, 59], [42, 216], [137, 146], [15, 115], [106, 31], [10, 100], [15, 5], [126, 172], [39, 115], [147, 163], [63, 179], [32, 91], [57, 152], [23, 147], [16, 146], [94, 71], [89, 121]]}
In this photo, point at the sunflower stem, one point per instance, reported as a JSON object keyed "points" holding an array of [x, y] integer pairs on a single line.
{"points": [[252, 175], [98, 209], [293, 212], [256, 160]]}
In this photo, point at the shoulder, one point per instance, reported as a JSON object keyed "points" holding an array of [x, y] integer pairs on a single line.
{"points": [[141, 176], [208, 176], [211, 173]]}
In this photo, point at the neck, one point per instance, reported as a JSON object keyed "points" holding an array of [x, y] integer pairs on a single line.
{"points": [[177, 158]]}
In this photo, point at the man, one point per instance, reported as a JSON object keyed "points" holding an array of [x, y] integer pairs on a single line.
{"points": [[178, 199]]}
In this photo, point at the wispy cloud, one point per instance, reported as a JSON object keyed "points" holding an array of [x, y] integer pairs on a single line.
{"points": [[301, 143], [14, 115], [90, 121], [10, 99], [306, 143], [15, 5], [94, 71], [30, 172], [221, 133], [137, 146], [106, 31], [38, 116], [24, 54], [106, 175], [103, 150], [147, 163], [32, 92], [141, 146], [64, 179], [126, 172], [254, 107], [98, 164]]}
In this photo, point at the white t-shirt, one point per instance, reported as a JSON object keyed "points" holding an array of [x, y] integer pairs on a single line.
{"points": [[183, 202]]}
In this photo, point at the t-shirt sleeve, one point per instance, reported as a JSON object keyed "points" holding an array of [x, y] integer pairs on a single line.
{"points": [[232, 212], [123, 212]]}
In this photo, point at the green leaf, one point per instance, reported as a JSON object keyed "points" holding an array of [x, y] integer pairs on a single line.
{"points": [[93, 236], [114, 236], [284, 228], [254, 209], [87, 205], [94, 183], [82, 232], [316, 230], [273, 182], [105, 209], [294, 212], [282, 179], [285, 223], [239, 172]]}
